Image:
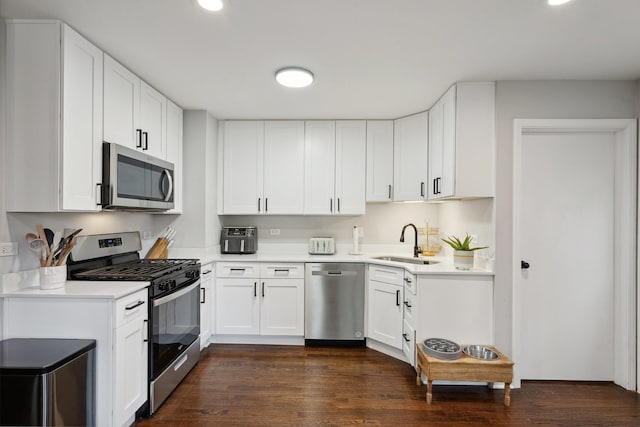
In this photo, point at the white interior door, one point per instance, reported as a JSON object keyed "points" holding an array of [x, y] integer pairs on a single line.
{"points": [[565, 231]]}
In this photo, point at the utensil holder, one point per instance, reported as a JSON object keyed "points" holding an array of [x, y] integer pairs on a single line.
{"points": [[53, 277]]}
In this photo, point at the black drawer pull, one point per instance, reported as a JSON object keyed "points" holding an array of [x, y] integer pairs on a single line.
{"points": [[134, 305], [407, 304], [405, 338]]}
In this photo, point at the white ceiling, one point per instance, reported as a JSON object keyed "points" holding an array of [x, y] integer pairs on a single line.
{"points": [[371, 58]]}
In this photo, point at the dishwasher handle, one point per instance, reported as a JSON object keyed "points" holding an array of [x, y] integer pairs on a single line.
{"points": [[333, 273]]}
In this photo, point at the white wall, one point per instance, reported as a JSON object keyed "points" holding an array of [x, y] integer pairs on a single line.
{"points": [[199, 226], [548, 99]]}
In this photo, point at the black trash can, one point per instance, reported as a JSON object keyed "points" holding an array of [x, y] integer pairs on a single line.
{"points": [[47, 382]]}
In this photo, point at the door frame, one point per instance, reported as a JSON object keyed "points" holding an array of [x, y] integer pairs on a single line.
{"points": [[626, 299]]}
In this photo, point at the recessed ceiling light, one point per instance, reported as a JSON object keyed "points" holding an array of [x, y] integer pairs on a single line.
{"points": [[294, 77], [557, 2], [211, 5]]}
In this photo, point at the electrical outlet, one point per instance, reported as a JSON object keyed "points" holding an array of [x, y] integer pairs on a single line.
{"points": [[274, 231], [9, 249], [146, 235]]}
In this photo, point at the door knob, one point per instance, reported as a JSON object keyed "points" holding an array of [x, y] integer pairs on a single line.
{"points": [[524, 265]]}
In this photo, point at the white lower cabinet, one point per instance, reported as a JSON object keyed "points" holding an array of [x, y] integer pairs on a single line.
{"points": [[384, 298], [120, 329], [255, 299], [206, 303], [455, 307], [410, 314], [131, 353]]}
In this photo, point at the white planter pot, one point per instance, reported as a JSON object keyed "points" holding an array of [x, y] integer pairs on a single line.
{"points": [[463, 260]]}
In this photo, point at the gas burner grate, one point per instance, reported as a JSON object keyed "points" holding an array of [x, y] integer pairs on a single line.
{"points": [[144, 269]]}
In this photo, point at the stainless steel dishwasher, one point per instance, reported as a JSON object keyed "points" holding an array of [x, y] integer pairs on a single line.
{"points": [[334, 304]]}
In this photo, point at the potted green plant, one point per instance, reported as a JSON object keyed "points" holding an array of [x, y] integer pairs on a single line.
{"points": [[463, 253]]}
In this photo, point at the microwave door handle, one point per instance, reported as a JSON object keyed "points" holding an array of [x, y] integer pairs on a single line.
{"points": [[167, 195]]}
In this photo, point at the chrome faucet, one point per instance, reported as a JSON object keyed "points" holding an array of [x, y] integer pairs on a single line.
{"points": [[416, 249]]}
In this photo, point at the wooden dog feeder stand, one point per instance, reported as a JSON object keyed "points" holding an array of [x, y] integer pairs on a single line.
{"points": [[465, 368]]}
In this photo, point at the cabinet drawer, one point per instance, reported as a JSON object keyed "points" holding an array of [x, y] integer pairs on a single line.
{"points": [[408, 342], [410, 308], [410, 282], [131, 307], [238, 269], [391, 275], [282, 271]]}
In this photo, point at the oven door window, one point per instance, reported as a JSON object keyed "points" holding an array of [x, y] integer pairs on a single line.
{"points": [[175, 326]]}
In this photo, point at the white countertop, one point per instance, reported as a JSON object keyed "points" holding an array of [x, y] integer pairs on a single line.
{"points": [[25, 284], [444, 265]]}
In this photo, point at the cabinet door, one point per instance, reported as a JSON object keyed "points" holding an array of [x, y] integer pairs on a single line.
{"points": [[82, 122], [174, 152], [442, 146], [379, 161], [351, 152], [121, 104], [237, 306], [284, 167], [282, 307], [206, 304], [153, 119], [320, 159], [243, 167], [130, 369], [385, 313], [410, 157]]}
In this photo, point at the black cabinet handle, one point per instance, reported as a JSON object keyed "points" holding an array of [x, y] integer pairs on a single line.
{"points": [[407, 304], [138, 138], [266, 204], [258, 204], [204, 295], [98, 194], [146, 140], [330, 205], [389, 191], [438, 179], [255, 289], [405, 338], [398, 298], [134, 305], [262, 289], [524, 265], [338, 204], [146, 328], [422, 189]]}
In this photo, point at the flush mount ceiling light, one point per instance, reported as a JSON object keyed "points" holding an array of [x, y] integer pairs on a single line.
{"points": [[557, 2], [211, 5], [294, 77]]}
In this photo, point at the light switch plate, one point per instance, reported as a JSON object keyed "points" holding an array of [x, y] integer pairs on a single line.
{"points": [[9, 249]]}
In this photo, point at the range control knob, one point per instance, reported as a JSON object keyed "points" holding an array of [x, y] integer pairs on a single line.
{"points": [[173, 284], [163, 286]]}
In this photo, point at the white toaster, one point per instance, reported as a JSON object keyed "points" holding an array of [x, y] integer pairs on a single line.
{"points": [[322, 246]]}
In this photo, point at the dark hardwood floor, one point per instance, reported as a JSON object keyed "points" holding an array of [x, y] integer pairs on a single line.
{"points": [[246, 385]]}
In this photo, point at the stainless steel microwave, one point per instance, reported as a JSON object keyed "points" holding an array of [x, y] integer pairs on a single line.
{"points": [[132, 180]]}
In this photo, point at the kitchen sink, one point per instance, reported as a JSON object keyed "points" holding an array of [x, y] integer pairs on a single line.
{"points": [[420, 261]]}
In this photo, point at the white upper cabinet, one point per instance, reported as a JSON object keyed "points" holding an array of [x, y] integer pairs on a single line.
{"points": [[319, 173], [54, 118], [335, 167], [410, 157], [350, 184], [283, 167], [242, 167], [462, 142], [379, 160], [175, 120], [263, 167], [134, 112]]}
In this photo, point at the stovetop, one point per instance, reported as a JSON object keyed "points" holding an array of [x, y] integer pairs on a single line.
{"points": [[139, 270]]}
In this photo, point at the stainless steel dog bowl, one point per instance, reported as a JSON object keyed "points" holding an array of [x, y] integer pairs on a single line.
{"points": [[480, 352], [442, 348]]}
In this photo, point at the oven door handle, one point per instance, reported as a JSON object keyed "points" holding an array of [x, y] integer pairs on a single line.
{"points": [[176, 295]]}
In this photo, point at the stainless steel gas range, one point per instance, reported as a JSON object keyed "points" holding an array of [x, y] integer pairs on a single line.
{"points": [[174, 304]]}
